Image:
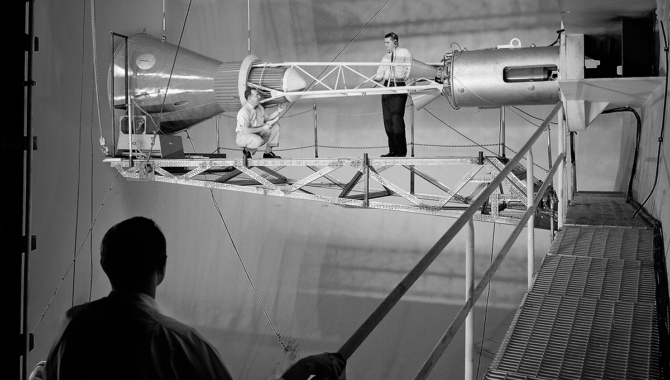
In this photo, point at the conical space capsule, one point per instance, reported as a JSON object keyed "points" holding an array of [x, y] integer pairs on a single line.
{"points": [[178, 93]]}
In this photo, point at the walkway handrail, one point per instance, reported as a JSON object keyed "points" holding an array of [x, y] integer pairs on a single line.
{"points": [[352, 344], [486, 279]]}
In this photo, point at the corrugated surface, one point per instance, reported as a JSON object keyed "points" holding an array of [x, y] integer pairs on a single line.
{"points": [[591, 311], [612, 243], [600, 209], [226, 86]]}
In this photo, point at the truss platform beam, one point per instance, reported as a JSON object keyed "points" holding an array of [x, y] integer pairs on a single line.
{"points": [[316, 179]]}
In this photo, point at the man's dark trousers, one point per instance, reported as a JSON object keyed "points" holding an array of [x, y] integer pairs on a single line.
{"points": [[393, 109]]}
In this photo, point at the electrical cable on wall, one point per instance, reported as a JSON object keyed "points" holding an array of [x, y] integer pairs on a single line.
{"points": [[660, 137]]}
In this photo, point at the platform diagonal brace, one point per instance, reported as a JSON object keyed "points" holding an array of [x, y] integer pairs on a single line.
{"points": [[258, 178], [163, 172], [273, 172], [436, 183], [326, 176], [396, 189], [227, 177], [511, 178], [350, 185], [312, 177], [195, 171], [464, 181]]}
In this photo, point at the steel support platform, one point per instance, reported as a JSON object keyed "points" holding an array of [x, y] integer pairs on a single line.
{"points": [[591, 311], [374, 183]]}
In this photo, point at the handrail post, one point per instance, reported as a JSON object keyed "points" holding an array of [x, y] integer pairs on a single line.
{"points": [[573, 167], [561, 167], [218, 142], [549, 145], [469, 291], [366, 180], [111, 98], [316, 140], [455, 325], [411, 172], [501, 146], [530, 190], [366, 328]]}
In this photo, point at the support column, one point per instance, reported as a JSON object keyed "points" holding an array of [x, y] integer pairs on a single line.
{"points": [[316, 139], [560, 191], [530, 193], [469, 292]]}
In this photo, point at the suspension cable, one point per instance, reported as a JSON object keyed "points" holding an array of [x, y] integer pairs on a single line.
{"points": [[239, 257], [103, 147]]}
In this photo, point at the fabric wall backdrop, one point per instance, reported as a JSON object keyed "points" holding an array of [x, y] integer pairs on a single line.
{"points": [[319, 269]]}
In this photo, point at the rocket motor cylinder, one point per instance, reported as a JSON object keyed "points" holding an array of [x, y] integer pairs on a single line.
{"points": [[504, 77]]}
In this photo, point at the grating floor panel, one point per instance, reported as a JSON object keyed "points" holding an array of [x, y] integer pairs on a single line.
{"points": [[565, 337], [602, 209], [613, 243], [616, 280], [591, 311]]}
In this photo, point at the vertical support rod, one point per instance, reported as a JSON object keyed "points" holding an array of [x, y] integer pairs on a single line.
{"points": [[573, 161], [569, 168], [111, 98], [248, 27], [561, 167], [469, 294], [129, 108], [501, 147], [549, 145], [551, 218], [218, 142], [316, 140], [411, 173], [28, 195], [530, 192], [366, 178], [164, 24]]}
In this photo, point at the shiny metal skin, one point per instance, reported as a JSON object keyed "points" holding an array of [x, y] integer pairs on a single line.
{"points": [[504, 77], [190, 97], [198, 87]]}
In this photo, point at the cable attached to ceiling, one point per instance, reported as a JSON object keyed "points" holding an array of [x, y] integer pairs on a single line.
{"points": [[660, 136], [103, 145], [629, 194]]}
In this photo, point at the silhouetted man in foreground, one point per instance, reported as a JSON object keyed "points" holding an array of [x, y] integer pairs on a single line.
{"points": [[125, 336]]}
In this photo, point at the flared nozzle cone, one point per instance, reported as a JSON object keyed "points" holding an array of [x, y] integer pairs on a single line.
{"points": [[422, 70], [421, 99]]}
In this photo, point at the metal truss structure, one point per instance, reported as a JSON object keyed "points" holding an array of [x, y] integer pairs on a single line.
{"points": [[323, 87], [364, 186]]}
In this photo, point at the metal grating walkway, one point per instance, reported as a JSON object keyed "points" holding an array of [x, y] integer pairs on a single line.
{"points": [[591, 312]]}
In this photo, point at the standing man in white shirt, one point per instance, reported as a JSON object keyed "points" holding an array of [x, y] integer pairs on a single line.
{"points": [[255, 128], [393, 105]]}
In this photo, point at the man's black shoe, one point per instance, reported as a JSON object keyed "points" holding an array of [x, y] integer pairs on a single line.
{"points": [[390, 154], [270, 155], [246, 153]]}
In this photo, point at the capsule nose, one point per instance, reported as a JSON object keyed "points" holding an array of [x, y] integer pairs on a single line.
{"points": [[293, 81]]}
